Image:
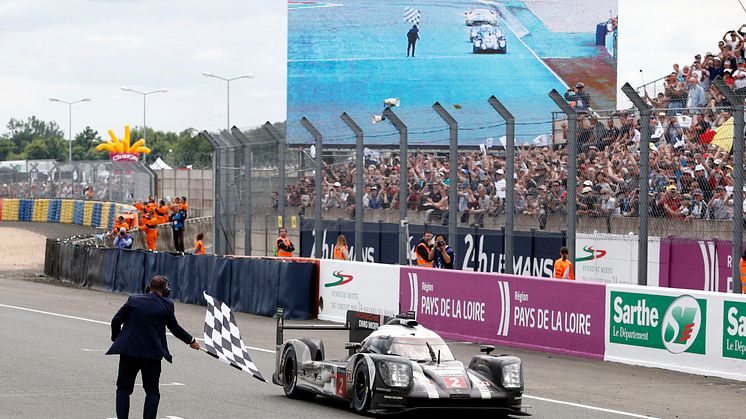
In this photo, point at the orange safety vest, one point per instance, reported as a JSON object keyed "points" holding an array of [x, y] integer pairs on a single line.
{"points": [[118, 225], [161, 214], [422, 262], [563, 269], [151, 233], [283, 253], [199, 247], [338, 254], [743, 276]]}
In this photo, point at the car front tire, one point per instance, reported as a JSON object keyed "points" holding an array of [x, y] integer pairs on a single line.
{"points": [[290, 376], [361, 388]]}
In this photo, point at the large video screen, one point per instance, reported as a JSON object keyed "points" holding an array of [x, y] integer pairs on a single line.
{"points": [[352, 55]]}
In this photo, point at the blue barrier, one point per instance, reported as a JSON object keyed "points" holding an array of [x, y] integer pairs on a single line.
{"points": [[297, 290], [256, 286], [478, 249]]}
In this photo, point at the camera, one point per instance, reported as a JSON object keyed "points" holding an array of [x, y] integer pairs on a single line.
{"points": [[440, 243]]}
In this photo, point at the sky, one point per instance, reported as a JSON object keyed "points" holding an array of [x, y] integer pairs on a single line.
{"points": [[71, 49], [653, 35]]}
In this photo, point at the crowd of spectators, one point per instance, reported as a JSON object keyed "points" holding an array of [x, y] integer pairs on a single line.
{"points": [[56, 189], [690, 177]]}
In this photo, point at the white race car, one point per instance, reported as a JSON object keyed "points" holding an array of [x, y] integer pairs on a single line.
{"points": [[489, 38], [480, 16]]}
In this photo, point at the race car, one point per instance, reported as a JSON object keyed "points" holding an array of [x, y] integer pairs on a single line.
{"points": [[489, 39], [400, 366], [480, 16]]}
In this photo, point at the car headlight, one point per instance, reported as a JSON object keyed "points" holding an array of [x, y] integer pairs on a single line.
{"points": [[512, 376], [396, 374]]}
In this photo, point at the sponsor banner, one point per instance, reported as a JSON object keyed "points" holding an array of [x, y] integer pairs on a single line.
{"points": [[704, 265], [476, 249], [612, 258], [124, 156], [551, 315], [683, 330], [357, 286]]}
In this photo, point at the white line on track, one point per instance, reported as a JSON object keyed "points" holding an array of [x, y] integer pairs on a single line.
{"points": [[582, 406], [420, 58]]}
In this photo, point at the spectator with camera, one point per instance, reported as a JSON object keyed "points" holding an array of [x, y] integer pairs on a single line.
{"points": [[123, 240], [442, 255]]}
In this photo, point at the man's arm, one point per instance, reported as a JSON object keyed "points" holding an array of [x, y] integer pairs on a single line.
{"points": [[119, 319], [281, 245], [446, 256]]}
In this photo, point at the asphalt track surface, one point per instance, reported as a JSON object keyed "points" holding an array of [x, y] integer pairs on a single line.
{"points": [[53, 366]]}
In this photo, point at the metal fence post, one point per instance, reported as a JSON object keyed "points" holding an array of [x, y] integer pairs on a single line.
{"points": [[403, 185], [736, 103], [358, 184], [318, 179], [280, 169], [572, 169], [453, 174], [642, 243], [246, 189], [509, 180], [217, 231]]}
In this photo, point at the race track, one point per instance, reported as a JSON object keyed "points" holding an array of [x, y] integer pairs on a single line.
{"points": [[54, 337]]}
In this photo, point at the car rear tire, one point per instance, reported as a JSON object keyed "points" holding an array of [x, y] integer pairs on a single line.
{"points": [[290, 376], [361, 388]]}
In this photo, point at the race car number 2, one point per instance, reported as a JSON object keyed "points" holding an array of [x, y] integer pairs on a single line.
{"points": [[454, 381]]}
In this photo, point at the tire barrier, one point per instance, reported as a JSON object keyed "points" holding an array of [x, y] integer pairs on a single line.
{"points": [[247, 284], [66, 211]]}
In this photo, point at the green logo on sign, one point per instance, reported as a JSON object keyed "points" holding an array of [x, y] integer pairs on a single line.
{"points": [[734, 329], [676, 324]]}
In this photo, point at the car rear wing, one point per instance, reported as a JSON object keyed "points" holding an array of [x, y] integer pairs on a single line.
{"points": [[358, 323]]}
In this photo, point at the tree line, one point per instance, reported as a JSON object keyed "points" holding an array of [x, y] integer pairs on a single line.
{"points": [[36, 139]]}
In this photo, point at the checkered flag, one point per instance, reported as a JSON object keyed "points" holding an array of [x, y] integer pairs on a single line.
{"points": [[223, 340], [412, 15]]}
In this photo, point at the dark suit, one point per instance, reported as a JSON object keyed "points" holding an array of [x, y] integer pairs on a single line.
{"points": [[141, 344]]}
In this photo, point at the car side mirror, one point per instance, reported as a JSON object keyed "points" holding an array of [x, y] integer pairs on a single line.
{"points": [[353, 346], [486, 349]]}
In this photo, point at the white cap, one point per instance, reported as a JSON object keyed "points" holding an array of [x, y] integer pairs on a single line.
{"points": [[588, 183], [718, 161], [586, 189], [699, 167], [500, 172], [337, 184]]}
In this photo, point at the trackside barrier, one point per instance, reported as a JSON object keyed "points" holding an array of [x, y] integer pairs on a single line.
{"points": [[690, 331], [357, 286], [703, 265], [612, 258], [253, 285], [543, 314], [67, 211], [479, 250]]}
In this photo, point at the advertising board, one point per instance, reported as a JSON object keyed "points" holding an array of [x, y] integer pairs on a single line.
{"points": [[357, 286], [544, 314], [690, 331], [703, 265], [612, 258]]}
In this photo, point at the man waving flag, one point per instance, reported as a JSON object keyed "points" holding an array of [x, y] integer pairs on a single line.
{"points": [[223, 340]]}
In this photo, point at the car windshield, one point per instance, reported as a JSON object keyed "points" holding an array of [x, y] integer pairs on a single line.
{"points": [[415, 348]]}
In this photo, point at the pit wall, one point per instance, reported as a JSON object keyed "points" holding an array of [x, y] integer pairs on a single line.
{"points": [[65, 211], [691, 331]]}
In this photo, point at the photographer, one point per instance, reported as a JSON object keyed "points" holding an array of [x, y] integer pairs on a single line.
{"points": [[123, 240], [441, 254]]}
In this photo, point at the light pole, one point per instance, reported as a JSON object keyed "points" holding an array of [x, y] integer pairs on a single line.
{"points": [[144, 109], [228, 83], [70, 123]]}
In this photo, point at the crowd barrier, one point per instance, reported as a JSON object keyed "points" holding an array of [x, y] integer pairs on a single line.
{"points": [[612, 258], [683, 330], [252, 285], [479, 249], [66, 211]]}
